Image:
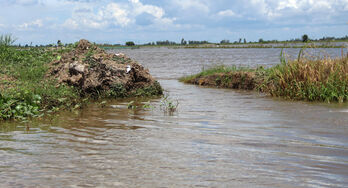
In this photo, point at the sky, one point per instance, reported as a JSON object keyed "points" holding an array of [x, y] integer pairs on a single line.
{"points": [[142, 21]]}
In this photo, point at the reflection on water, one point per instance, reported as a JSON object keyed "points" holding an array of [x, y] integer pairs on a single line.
{"points": [[218, 138]]}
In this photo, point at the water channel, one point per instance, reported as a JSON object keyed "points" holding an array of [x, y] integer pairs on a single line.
{"points": [[217, 138]]}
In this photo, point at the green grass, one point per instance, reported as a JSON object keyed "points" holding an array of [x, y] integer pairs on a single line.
{"points": [[24, 89], [221, 69], [309, 79]]}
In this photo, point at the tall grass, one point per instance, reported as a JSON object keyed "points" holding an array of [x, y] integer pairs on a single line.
{"points": [[6, 40], [312, 79]]}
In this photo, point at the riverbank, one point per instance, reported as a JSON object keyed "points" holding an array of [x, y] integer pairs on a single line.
{"points": [[306, 79], [36, 81]]}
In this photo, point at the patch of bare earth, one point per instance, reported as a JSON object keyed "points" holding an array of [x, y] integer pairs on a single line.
{"points": [[92, 69]]}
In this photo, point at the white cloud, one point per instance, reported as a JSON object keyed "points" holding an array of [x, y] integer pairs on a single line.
{"points": [[226, 13], [322, 10], [345, 4], [84, 17], [192, 4], [157, 12], [139, 8], [31, 25], [147, 21], [287, 4], [115, 15], [22, 2], [83, 23], [306, 5], [71, 23]]}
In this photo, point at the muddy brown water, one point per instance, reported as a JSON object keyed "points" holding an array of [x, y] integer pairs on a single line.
{"points": [[217, 138]]}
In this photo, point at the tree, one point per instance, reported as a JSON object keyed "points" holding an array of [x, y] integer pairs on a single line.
{"points": [[244, 41], [183, 41], [166, 42], [59, 43], [225, 41], [261, 40], [240, 40], [130, 43], [198, 42], [305, 38]]}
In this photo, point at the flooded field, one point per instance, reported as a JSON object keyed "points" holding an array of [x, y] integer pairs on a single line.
{"points": [[217, 138]]}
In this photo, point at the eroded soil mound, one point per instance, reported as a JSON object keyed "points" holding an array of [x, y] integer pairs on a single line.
{"points": [[92, 70], [233, 80]]}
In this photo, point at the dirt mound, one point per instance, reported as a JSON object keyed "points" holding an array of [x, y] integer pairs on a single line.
{"points": [[234, 80], [92, 70]]}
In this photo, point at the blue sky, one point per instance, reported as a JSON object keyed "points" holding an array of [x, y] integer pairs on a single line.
{"points": [[117, 21]]}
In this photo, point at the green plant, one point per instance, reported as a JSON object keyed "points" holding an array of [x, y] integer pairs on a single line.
{"points": [[131, 105], [147, 105], [25, 91], [6, 40], [118, 91], [168, 105]]}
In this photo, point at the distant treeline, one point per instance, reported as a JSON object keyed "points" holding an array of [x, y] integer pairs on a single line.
{"points": [[183, 42], [304, 38]]}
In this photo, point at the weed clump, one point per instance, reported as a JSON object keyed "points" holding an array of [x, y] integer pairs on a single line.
{"points": [[169, 105]]}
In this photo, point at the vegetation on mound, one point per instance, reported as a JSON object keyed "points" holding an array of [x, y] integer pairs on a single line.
{"points": [[27, 90], [310, 79], [226, 77]]}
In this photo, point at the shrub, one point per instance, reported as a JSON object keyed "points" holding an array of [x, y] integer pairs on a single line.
{"points": [[130, 43], [304, 38]]}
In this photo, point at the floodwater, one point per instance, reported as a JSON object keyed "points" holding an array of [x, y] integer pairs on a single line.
{"points": [[217, 138]]}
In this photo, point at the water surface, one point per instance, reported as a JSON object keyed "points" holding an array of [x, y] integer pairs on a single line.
{"points": [[217, 138]]}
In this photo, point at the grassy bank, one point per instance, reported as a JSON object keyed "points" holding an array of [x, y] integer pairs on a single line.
{"points": [[301, 79], [24, 91], [27, 91], [226, 77]]}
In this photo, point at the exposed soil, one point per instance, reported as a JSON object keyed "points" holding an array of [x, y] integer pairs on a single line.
{"points": [[234, 80], [91, 69]]}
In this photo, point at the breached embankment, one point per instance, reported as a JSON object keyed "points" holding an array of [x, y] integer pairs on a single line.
{"points": [[93, 70], [36, 81]]}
